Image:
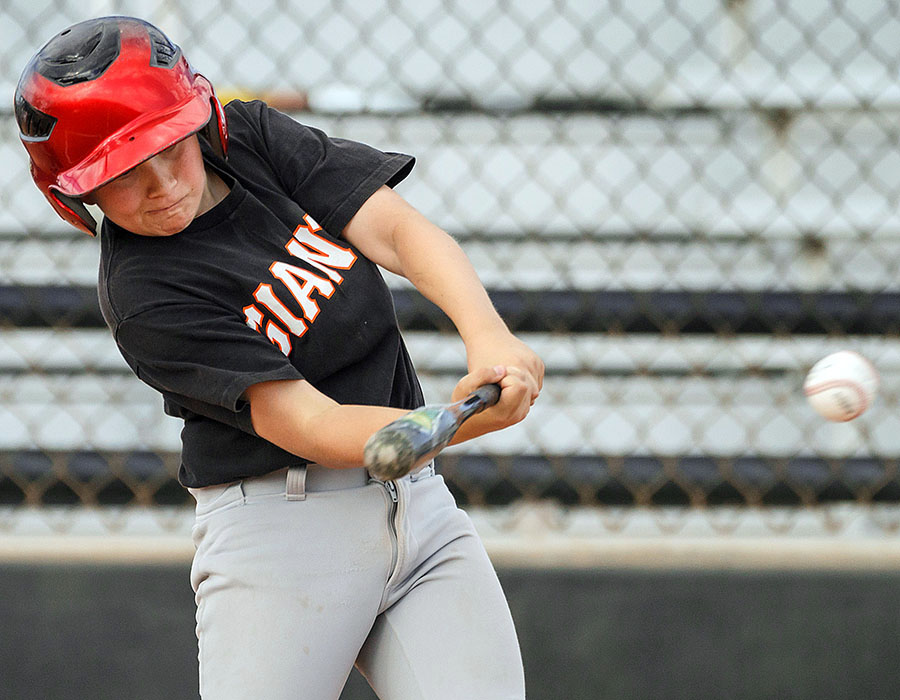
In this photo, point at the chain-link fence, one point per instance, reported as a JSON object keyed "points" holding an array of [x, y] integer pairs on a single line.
{"points": [[682, 206]]}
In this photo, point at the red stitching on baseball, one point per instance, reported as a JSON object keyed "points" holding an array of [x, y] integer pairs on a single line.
{"points": [[841, 384]]}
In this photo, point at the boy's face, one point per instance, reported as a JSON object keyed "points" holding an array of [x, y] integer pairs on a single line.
{"points": [[161, 196]]}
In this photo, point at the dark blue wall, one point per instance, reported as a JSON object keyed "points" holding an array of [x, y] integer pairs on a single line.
{"points": [[73, 632]]}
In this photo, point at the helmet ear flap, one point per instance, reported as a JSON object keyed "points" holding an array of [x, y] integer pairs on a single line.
{"points": [[74, 211], [216, 129]]}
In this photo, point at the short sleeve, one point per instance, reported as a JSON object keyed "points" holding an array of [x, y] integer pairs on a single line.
{"points": [[202, 353], [329, 177]]}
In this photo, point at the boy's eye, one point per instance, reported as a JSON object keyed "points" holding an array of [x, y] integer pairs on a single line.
{"points": [[171, 149], [124, 178]]}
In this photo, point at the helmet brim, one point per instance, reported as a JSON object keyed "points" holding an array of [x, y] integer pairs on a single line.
{"points": [[137, 142]]}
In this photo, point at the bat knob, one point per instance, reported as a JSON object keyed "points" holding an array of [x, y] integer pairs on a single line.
{"points": [[389, 455]]}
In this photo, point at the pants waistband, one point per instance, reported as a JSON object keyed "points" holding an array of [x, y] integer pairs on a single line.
{"points": [[296, 482]]}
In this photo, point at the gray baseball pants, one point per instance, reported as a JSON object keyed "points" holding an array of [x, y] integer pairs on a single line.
{"points": [[302, 574]]}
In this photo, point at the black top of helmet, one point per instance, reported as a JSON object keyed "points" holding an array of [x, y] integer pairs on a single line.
{"points": [[85, 50], [80, 53]]}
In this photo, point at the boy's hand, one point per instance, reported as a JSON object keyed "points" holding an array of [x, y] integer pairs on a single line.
{"points": [[514, 404], [503, 349]]}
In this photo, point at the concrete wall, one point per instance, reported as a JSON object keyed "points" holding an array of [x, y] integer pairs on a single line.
{"points": [[71, 632]]}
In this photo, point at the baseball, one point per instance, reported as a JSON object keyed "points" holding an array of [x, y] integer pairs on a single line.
{"points": [[841, 386]]}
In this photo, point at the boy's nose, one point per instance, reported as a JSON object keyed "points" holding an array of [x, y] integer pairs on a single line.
{"points": [[158, 177]]}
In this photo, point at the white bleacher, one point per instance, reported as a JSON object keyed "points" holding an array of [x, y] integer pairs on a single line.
{"points": [[69, 351], [610, 396], [831, 175], [721, 54], [587, 264], [577, 415]]}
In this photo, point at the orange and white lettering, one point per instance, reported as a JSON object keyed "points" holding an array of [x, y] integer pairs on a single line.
{"points": [[252, 316], [265, 296], [310, 224], [319, 252], [301, 284], [276, 334]]}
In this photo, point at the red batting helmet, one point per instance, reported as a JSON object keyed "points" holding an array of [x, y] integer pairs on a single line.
{"points": [[102, 97]]}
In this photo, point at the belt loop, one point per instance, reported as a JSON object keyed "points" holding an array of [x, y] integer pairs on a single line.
{"points": [[295, 485], [424, 472]]}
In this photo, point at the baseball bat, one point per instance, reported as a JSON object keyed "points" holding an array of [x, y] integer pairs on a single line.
{"points": [[413, 439]]}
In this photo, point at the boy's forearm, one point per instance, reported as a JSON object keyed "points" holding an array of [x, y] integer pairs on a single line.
{"points": [[308, 424], [440, 270]]}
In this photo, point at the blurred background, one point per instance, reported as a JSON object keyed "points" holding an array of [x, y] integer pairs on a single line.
{"points": [[681, 206]]}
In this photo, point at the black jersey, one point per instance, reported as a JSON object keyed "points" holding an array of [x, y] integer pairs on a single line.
{"points": [[262, 287]]}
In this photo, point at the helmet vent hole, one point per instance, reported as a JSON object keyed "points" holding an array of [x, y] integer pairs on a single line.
{"points": [[34, 125], [165, 53]]}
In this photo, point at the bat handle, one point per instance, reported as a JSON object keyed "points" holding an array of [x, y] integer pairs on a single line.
{"points": [[483, 397]]}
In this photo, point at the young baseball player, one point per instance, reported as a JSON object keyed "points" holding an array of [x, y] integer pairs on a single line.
{"points": [[239, 276]]}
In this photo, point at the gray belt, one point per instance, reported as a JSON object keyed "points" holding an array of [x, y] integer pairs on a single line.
{"points": [[296, 482]]}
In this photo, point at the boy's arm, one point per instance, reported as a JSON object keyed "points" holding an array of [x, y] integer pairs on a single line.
{"points": [[297, 417], [392, 233]]}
